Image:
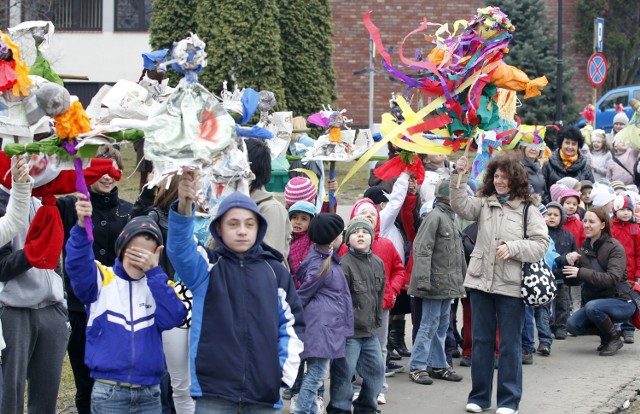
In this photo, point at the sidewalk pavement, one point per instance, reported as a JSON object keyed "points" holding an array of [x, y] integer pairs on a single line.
{"points": [[573, 379]]}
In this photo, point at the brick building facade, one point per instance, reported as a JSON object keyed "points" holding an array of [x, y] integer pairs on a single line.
{"points": [[395, 19]]}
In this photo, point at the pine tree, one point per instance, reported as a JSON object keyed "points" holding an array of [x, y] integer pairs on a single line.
{"points": [[171, 21], [533, 50], [307, 46], [243, 45]]}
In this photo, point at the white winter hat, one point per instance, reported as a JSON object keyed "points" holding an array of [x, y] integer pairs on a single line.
{"points": [[621, 118], [601, 195]]}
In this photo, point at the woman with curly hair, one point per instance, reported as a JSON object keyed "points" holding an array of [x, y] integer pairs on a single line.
{"points": [[494, 275]]}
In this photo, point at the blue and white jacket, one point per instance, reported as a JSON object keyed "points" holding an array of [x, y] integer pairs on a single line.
{"points": [[247, 323], [125, 316]]}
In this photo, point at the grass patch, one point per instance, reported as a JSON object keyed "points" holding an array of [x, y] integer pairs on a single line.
{"points": [[635, 408], [67, 392]]}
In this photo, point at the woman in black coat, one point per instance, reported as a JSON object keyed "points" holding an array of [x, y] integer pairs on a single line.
{"points": [[601, 267], [566, 160]]}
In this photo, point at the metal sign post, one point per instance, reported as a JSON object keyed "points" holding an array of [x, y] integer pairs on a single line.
{"points": [[597, 66]]}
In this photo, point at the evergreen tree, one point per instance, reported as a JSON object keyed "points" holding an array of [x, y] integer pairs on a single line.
{"points": [[243, 45], [307, 46], [533, 49], [171, 21], [621, 37]]}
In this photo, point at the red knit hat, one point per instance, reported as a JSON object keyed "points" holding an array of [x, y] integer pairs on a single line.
{"points": [[622, 201], [299, 189]]}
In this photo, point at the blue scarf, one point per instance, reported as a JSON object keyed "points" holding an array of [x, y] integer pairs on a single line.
{"points": [[503, 198]]}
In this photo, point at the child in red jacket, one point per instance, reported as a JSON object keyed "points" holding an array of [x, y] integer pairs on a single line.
{"points": [[627, 232], [569, 199]]}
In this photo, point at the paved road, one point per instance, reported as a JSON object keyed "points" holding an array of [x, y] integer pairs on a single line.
{"points": [[573, 379]]}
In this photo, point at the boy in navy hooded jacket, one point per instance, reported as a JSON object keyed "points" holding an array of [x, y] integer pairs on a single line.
{"points": [[247, 322]]}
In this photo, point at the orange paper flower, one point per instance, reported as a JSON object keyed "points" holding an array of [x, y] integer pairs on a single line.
{"points": [[73, 122], [334, 135]]}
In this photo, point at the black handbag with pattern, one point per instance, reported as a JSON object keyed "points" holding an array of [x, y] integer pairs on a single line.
{"points": [[186, 297], [538, 283]]}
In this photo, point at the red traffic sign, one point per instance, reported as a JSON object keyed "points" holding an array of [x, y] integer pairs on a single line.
{"points": [[597, 69]]}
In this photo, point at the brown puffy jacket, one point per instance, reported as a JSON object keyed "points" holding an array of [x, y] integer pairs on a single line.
{"points": [[612, 258]]}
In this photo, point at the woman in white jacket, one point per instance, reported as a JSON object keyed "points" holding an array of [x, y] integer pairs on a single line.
{"points": [[494, 275]]}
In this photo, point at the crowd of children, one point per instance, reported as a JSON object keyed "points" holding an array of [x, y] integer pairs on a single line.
{"points": [[294, 300]]}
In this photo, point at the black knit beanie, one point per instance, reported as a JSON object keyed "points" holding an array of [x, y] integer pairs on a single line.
{"points": [[377, 194], [325, 227], [136, 226]]}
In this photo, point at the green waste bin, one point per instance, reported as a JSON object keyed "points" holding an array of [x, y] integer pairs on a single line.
{"points": [[279, 179]]}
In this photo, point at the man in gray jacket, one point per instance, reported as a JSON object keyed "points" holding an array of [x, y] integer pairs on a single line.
{"points": [[34, 319], [436, 278]]}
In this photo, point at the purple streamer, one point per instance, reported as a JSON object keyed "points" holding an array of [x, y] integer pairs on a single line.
{"points": [[81, 184]]}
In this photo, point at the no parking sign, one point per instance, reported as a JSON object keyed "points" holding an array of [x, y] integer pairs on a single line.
{"points": [[597, 69]]}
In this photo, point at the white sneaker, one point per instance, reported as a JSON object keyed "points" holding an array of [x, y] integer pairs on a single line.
{"points": [[355, 396], [320, 404], [382, 399], [475, 408], [504, 410], [293, 406]]}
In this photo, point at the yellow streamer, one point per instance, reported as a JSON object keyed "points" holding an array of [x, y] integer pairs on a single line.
{"points": [[312, 176], [411, 119], [425, 147]]}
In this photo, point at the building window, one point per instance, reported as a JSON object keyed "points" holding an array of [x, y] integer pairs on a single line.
{"points": [[132, 15], [85, 15]]}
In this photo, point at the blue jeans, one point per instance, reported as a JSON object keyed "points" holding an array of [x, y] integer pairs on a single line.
{"points": [[627, 327], [382, 334], [428, 350], [295, 389], [528, 335], [112, 399], [317, 369], [582, 321], [488, 313], [208, 405], [541, 316], [365, 356]]}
